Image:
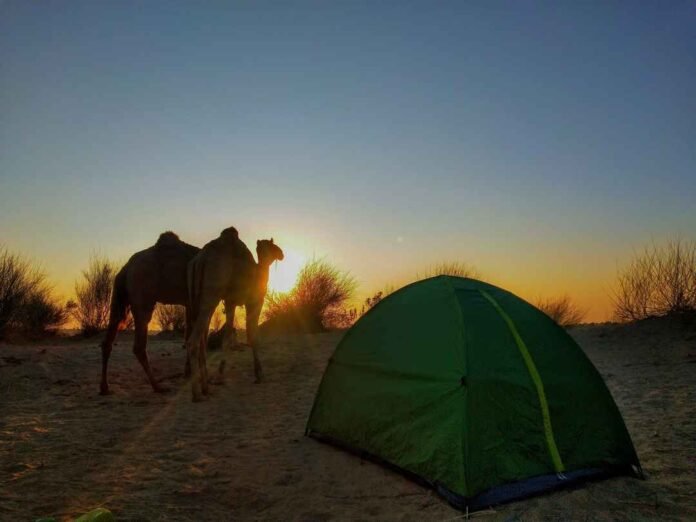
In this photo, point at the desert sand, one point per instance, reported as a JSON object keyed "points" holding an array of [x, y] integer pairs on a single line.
{"points": [[242, 454]]}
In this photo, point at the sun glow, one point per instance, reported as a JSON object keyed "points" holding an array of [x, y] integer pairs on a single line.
{"points": [[283, 274]]}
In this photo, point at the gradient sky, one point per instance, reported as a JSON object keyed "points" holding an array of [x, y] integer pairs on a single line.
{"points": [[540, 141]]}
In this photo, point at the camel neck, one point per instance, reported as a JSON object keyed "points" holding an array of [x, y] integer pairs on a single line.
{"points": [[262, 274]]}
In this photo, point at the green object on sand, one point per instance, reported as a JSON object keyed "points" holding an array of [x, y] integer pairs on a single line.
{"points": [[97, 515], [472, 390]]}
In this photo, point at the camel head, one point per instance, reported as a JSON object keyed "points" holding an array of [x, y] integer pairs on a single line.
{"points": [[267, 251]]}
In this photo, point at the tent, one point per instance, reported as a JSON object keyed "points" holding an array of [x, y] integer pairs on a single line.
{"points": [[473, 391]]}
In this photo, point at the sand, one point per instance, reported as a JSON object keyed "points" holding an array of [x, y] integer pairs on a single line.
{"points": [[242, 455]]}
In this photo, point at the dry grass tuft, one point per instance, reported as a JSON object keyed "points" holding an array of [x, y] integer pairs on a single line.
{"points": [[659, 281], [315, 304], [27, 304], [93, 296], [562, 310], [452, 268], [171, 318], [376, 298]]}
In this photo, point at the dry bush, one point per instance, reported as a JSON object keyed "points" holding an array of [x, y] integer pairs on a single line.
{"points": [[371, 301], [26, 301], [218, 326], [42, 313], [454, 268], [278, 306], [217, 320], [171, 318], [315, 304], [659, 281], [93, 296], [340, 318], [562, 310], [17, 281]]}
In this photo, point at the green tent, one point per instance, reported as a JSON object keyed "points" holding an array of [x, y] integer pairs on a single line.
{"points": [[473, 391]]}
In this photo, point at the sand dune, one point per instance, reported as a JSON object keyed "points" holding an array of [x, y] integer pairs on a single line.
{"points": [[242, 455]]}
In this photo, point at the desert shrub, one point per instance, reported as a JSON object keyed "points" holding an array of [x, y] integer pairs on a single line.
{"points": [[41, 313], [562, 310], [279, 307], [340, 318], [171, 318], [316, 303], [217, 320], [218, 327], [17, 281], [659, 281], [371, 301], [454, 268], [93, 296], [26, 301]]}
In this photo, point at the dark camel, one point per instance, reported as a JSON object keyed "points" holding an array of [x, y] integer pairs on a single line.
{"points": [[225, 270], [252, 297], [154, 275]]}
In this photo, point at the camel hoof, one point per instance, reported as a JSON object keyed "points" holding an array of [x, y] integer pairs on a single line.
{"points": [[162, 389], [105, 392], [198, 398]]}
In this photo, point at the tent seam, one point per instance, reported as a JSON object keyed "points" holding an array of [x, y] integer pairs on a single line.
{"points": [[536, 379], [464, 441]]}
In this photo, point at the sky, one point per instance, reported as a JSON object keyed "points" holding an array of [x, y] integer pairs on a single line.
{"points": [[542, 142]]}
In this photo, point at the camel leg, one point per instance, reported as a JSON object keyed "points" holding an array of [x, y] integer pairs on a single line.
{"points": [[253, 311], [106, 346], [193, 348], [203, 363], [229, 339], [187, 334], [140, 346]]}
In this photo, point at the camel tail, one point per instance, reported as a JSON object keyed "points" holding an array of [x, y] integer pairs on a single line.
{"points": [[118, 311], [119, 300]]}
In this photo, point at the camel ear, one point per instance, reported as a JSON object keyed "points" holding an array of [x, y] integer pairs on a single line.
{"points": [[271, 240], [258, 242]]}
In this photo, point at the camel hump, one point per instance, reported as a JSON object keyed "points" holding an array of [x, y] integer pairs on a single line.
{"points": [[168, 238], [229, 233]]}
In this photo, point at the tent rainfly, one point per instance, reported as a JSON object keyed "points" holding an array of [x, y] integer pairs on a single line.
{"points": [[472, 391]]}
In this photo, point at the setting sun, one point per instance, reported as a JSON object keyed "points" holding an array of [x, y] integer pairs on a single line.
{"points": [[283, 274]]}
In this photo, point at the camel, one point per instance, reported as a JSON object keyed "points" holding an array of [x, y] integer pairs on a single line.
{"points": [[252, 298], [225, 270], [154, 275]]}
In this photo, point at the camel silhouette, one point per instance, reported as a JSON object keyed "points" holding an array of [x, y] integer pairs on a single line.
{"points": [[225, 270], [154, 275], [252, 297]]}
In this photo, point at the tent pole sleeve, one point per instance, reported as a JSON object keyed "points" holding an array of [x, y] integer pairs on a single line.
{"points": [[538, 383]]}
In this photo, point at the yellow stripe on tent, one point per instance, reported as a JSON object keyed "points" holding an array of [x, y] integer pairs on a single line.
{"points": [[536, 378]]}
